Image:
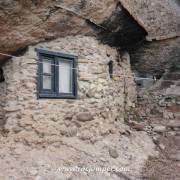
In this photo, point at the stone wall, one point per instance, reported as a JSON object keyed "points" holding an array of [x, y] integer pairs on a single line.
{"points": [[2, 103], [99, 109], [46, 134]]}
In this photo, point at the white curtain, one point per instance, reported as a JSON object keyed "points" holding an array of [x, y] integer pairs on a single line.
{"points": [[65, 76], [47, 71], [46, 82], [46, 66]]}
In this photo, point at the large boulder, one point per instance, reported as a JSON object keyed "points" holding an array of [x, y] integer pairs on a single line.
{"points": [[26, 22]]}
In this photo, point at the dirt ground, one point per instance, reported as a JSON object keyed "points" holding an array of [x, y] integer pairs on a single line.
{"points": [[166, 166]]}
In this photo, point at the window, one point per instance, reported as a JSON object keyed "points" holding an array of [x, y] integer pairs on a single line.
{"points": [[110, 64], [57, 76]]}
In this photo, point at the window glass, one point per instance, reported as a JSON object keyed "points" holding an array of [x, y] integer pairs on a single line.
{"points": [[47, 66], [46, 82], [65, 76], [47, 74]]}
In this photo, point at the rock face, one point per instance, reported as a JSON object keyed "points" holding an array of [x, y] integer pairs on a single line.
{"points": [[161, 59], [26, 22], [155, 57], [159, 129], [23, 23], [159, 18]]}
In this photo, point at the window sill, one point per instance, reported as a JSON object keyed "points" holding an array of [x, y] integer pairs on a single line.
{"points": [[55, 96]]}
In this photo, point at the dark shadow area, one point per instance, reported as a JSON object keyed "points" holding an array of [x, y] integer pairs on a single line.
{"points": [[121, 30], [19, 52], [157, 57], [1, 75]]}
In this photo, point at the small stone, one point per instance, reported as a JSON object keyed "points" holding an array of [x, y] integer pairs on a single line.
{"points": [[85, 116], [174, 124], [138, 127], [176, 129], [72, 132], [168, 115], [12, 109], [41, 163], [176, 156], [97, 96], [104, 114], [103, 160], [68, 117], [34, 172], [162, 146], [85, 135], [38, 178], [18, 116], [155, 139], [172, 133], [17, 129], [159, 129], [54, 119], [162, 103], [116, 78], [177, 133], [113, 153]]}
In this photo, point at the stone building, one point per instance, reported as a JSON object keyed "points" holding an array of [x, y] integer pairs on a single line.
{"points": [[72, 86]]}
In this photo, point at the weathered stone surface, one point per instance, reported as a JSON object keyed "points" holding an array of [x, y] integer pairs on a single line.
{"points": [[154, 17], [86, 116], [162, 146], [113, 153], [2, 104], [159, 128], [168, 115], [85, 135], [176, 156], [154, 57], [174, 90], [44, 161], [24, 23], [174, 124], [48, 19], [139, 127]]}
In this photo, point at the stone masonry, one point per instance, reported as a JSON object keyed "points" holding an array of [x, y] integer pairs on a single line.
{"points": [[2, 103], [41, 135], [98, 109]]}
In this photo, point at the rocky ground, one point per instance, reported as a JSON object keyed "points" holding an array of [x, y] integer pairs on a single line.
{"points": [[159, 115], [128, 150]]}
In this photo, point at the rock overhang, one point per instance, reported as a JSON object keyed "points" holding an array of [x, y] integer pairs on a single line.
{"points": [[44, 21], [161, 19]]}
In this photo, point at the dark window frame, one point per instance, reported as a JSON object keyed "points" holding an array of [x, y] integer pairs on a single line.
{"points": [[54, 91]]}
